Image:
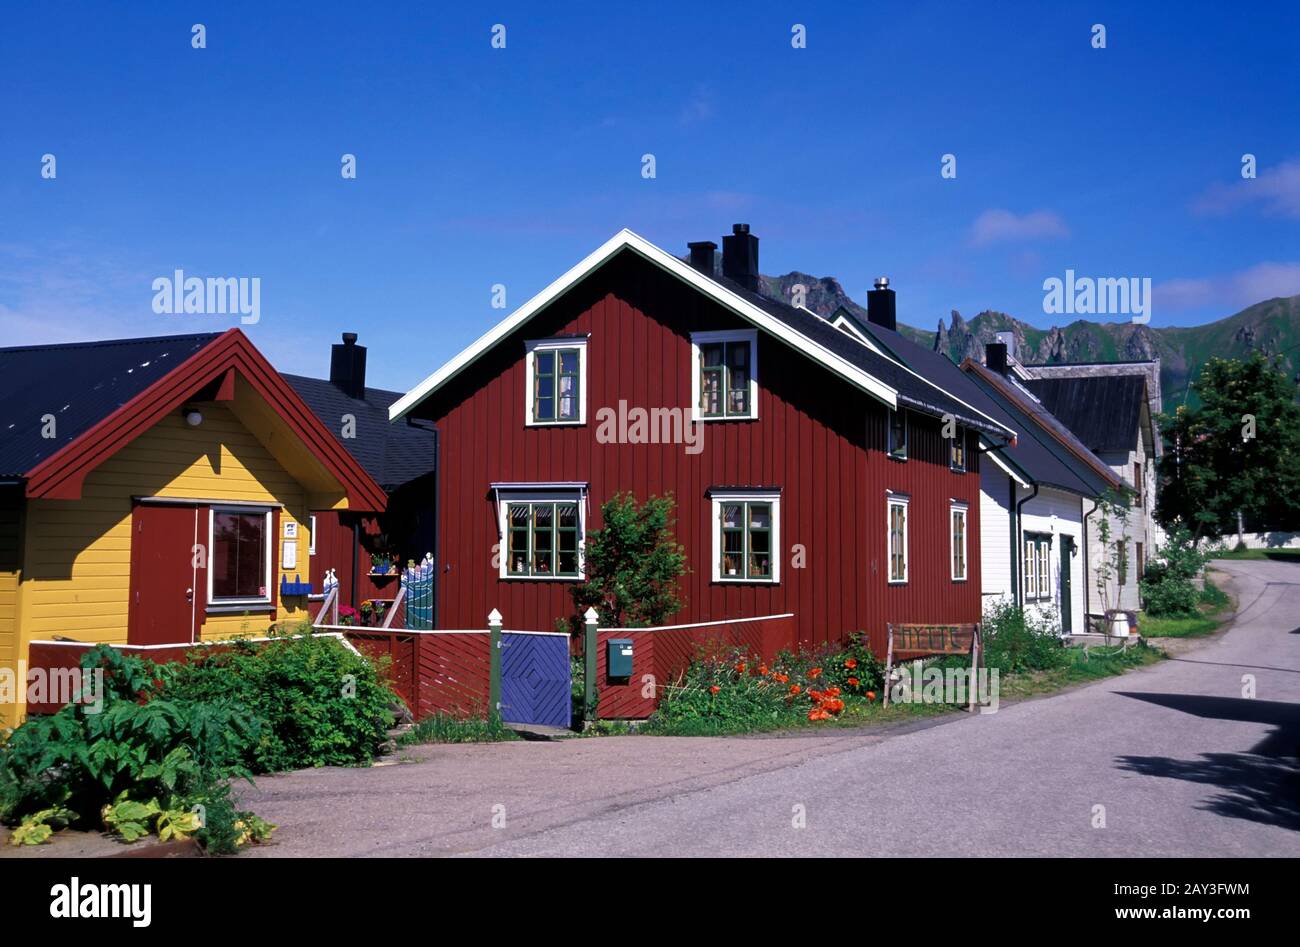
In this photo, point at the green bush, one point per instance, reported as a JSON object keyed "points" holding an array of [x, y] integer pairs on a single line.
{"points": [[1017, 641], [317, 702], [150, 753], [1168, 587]]}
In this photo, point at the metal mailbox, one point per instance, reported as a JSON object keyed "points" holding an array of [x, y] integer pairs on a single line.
{"points": [[618, 658]]}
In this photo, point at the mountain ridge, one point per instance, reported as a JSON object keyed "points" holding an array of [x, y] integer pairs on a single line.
{"points": [[1271, 326]]}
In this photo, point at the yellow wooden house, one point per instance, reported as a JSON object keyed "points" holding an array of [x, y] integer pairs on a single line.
{"points": [[157, 491]]}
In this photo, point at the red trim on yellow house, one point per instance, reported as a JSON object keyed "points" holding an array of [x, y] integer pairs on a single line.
{"points": [[61, 475]]}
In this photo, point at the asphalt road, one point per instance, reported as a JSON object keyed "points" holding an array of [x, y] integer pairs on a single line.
{"points": [[1181, 761]]}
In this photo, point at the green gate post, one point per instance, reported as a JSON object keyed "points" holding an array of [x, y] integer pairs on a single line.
{"points": [[494, 656], [589, 675]]}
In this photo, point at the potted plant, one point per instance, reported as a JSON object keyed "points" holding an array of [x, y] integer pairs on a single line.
{"points": [[348, 615], [381, 564], [372, 612]]}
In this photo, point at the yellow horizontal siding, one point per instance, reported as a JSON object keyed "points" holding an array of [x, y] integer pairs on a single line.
{"points": [[10, 574], [79, 552]]}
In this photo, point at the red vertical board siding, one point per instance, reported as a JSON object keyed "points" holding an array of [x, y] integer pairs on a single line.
{"points": [[817, 438]]}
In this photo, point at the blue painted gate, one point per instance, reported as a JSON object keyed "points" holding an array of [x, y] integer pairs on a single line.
{"points": [[535, 678]]}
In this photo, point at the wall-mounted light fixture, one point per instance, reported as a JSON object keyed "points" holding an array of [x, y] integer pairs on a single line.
{"points": [[193, 418]]}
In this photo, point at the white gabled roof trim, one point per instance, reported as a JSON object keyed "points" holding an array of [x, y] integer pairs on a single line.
{"points": [[683, 271], [993, 455]]}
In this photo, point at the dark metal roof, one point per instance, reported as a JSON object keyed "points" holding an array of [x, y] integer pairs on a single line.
{"points": [[1046, 452], [392, 453], [913, 392], [1103, 411], [80, 384], [1033, 454]]}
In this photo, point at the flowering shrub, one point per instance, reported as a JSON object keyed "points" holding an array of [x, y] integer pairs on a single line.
{"points": [[731, 690]]}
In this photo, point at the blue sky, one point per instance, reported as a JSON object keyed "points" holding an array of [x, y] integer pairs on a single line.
{"points": [[478, 166]]}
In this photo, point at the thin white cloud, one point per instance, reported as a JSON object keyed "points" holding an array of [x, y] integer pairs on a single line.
{"points": [[1276, 193], [1003, 226], [700, 107], [1233, 291]]}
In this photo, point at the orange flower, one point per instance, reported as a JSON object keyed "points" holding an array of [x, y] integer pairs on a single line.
{"points": [[762, 670], [814, 673], [818, 714], [871, 695], [740, 668], [794, 688], [714, 689], [780, 678], [834, 706], [853, 682], [832, 692], [851, 663]]}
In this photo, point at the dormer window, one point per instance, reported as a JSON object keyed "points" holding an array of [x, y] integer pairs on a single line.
{"points": [[556, 377], [725, 382], [898, 434]]}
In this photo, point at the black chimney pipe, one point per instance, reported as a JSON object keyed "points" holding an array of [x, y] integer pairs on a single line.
{"points": [[702, 252], [881, 306], [740, 257], [995, 357], [348, 366]]}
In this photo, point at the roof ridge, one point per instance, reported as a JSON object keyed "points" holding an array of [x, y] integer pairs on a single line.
{"points": [[106, 343]]}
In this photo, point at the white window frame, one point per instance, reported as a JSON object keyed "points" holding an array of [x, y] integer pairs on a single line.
{"points": [[716, 500], [1036, 562], [892, 501], [576, 497], [709, 338], [269, 600], [544, 345], [311, 540], [953, 510]]}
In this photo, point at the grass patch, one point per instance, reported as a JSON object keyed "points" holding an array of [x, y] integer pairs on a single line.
{"points": [[443, 728], [1080, 667], [1277, 555], [1213, 600]]}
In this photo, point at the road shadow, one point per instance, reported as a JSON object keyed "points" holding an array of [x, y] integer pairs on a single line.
{"points": [[1261, 784]]}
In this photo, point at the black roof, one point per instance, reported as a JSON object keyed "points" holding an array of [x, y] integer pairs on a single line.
{"points": [[393, 453], [1103, 411], [913, 392], [1035, 454], [80, 384], [1046, 450]]}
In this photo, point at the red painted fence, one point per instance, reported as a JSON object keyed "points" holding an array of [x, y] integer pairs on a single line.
{"points": [[662, 654]]}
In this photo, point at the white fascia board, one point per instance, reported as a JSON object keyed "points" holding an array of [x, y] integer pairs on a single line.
{"points": [[683, 271], [1002, 463]]}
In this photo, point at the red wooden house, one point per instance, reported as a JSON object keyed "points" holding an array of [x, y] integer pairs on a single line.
{"points": [[810, 470]]}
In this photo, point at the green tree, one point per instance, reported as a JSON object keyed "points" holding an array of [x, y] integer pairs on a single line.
{"points": [[1238, 450], [633, 564]]}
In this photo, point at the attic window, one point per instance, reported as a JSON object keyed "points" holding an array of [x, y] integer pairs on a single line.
{"points": [[898, 434], [957, 451], [556, 376], [725, 383]]}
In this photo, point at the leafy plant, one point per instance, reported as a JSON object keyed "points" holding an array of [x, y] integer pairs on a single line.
{"points": [[316, 702], [129, 819], [1016, 640], [1168, 587], [38, 827], [633, 563]]}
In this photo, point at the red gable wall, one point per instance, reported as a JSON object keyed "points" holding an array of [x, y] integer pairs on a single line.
{"points": [[816, 437]]}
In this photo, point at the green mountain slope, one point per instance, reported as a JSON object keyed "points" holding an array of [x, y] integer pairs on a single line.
{"points": [[1271, 327]]}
